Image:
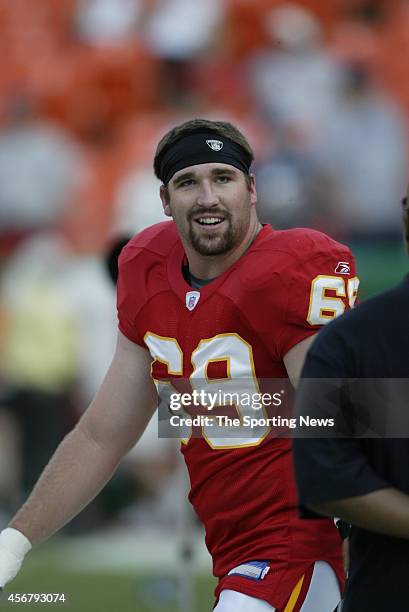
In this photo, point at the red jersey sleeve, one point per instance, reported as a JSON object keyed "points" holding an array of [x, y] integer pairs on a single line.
{"points": [[130, 292], [142, 274], [319, 288]]}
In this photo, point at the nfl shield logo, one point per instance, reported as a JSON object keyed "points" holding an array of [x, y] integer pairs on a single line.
{"points": [[215, 145], [192, 298]]}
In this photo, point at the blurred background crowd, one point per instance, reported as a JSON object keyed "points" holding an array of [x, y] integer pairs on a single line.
{"points": [[87, 87]]}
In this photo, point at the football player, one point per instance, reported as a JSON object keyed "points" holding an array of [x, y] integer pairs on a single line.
{"points": [[208, 300]]}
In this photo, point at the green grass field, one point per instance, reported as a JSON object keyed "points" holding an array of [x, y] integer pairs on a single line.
{"points": [[45, 571], [379, 266], [103, 592]]}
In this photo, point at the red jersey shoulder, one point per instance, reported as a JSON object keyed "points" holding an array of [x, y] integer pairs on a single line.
{"points": [[286, 278], [142, 273], [281, 257], [301, 245], [159, 238]]}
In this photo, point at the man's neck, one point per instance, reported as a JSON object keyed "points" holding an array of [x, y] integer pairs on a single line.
{"points": [[193, 281]]}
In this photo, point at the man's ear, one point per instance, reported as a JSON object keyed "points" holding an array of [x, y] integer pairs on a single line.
{"points": [[164, 196], [253, 189]]}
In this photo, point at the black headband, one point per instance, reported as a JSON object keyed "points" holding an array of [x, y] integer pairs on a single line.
{"points": [[203, 148]]}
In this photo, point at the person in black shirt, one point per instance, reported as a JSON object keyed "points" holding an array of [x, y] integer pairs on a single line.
{"points": [[360, 471]]}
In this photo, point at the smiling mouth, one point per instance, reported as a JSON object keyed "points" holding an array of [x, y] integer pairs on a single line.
{"points": [[209, 221]]}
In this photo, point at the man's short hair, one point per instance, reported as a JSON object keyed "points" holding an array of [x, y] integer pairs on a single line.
{"points": [[219, 128]]}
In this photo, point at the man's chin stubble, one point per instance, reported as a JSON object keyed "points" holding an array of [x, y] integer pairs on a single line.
{"points": [[210, 249], [212, 246]]}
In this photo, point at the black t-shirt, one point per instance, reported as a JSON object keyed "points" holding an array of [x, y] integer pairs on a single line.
{"points": [[364, 350]]}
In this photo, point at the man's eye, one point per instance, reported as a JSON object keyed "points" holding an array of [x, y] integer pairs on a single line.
{"points": [[186, 183], [223, 178]]}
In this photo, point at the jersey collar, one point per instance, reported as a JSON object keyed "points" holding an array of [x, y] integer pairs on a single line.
{"points": [[179, 284]]}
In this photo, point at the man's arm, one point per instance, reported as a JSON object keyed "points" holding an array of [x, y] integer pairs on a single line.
{"points": [[88, 456], [385, 511], [294, 359]]}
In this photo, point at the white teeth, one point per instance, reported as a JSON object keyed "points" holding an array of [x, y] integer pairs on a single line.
{"points": [[209, 220]]}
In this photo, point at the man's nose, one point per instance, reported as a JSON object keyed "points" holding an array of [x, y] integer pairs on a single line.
{"points": [[207, 195]]}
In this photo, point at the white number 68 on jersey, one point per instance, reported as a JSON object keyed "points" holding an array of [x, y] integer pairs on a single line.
{"points": [[323, 307]]}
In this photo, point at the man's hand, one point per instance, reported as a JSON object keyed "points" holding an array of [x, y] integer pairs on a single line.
{"points": [[13, 548]]}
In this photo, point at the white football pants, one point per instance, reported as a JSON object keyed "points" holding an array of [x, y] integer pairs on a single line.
{"points": [[323, 595]]}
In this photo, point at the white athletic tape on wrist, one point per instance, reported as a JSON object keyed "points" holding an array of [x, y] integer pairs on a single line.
{"points": [[13, 548]]}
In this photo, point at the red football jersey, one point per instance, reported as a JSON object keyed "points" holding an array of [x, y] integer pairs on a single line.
{"points": [[242, 324]]}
